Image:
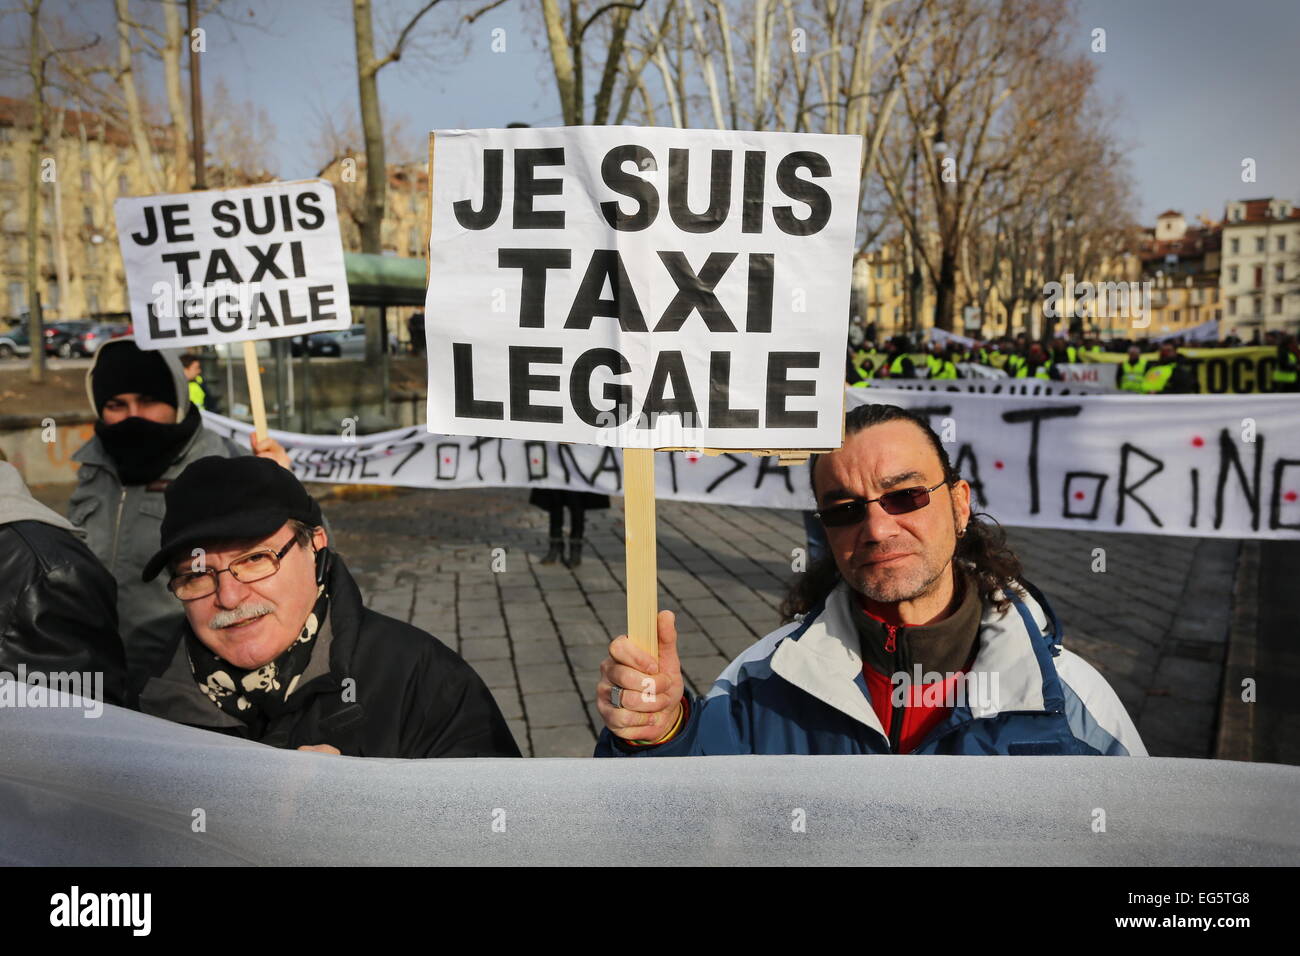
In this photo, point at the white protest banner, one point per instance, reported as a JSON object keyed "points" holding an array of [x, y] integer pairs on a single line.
{"points": [[1093, 376], [641, 288], [233, 265], [940, 336], [414, 458], [1150, 464], [976, 370], [985, 385], [1205, 332], [1222, 466]]}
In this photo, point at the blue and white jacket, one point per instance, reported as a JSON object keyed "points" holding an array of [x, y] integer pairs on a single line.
{"points": [[800, 690]]}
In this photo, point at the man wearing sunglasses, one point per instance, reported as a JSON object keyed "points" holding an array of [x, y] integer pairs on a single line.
{"points": [[916, 634], [277, 646]]}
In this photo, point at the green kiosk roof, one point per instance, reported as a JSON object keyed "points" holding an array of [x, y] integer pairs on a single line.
{"points": [[384, 280]]}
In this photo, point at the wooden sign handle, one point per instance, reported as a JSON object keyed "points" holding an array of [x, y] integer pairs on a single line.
{"points": [[639, 541], [254, 375]]}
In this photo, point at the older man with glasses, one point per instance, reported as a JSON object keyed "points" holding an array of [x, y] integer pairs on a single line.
{"points": [[277, 646], [916, 634]]}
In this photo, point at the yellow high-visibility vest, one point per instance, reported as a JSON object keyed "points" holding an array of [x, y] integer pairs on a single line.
{"points": [[1131, 375]]}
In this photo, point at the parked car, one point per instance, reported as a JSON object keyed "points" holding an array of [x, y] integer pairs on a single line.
{"points": [[15, 343], [60, 337], [352, 341], [88, 342], [318, 344]]}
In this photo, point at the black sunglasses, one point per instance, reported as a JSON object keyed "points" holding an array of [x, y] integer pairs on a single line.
{"points": [[900, 502]]}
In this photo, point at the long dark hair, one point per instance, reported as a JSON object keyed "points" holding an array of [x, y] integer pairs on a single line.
{"points": [[982, 550]]}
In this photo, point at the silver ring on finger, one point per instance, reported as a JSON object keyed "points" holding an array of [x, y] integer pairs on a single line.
{"points": [[616, 697]]}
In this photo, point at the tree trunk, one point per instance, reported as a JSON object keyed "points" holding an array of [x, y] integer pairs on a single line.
{"points": [[561, 60], [372, 126], [36, 70], [134, 114], [173, 45], [945, 291]]}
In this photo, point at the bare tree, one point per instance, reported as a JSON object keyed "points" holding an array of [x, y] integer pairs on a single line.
{"points": [[40, 52], [974, 103], [572, 49]]}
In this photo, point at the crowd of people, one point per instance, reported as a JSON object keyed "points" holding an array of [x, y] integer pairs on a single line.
{"points": [[1168, 372], [202, 583]]}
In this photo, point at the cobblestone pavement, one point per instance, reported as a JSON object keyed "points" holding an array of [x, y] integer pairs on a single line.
{"points": [[464, 565]]}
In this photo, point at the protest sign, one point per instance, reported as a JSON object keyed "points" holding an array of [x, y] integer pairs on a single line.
{"points": [[234, 265], [1095, 376], [1216, 466], [641, 288]]}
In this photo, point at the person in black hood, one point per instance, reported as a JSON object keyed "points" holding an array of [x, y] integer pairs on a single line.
{"points": [[277, 644], [146, 432]]}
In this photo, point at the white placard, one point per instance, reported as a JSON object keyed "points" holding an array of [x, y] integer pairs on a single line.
{"points": [[639, 287], [232, 265]]}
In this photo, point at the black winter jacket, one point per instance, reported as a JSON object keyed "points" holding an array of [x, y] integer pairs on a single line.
{"points": [[375, 687], [58, 607]]}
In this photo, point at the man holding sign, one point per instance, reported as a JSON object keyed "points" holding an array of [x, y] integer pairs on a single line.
{"points": [[918, 637]]}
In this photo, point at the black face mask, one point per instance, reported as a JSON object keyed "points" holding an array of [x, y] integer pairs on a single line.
{"points": [[142, 449]]}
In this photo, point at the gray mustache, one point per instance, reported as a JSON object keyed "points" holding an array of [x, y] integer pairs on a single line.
{"points": [[237, 614]]}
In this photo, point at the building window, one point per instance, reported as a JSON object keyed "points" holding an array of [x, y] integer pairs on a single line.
{"points": [[1277, 305], [85, 180], [87, 215], [1232, 306], [1235, 246], [1177, 316], [1232, 275], [52, 295], [1259, 306], [880, 270], [1261, 244], [1281, 243], [1279, 273], [6, 169], [92, 299], [1259, 276], [17, 300]]}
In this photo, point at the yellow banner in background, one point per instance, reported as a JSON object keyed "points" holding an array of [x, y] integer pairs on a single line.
{"points": [[1236, 371]]}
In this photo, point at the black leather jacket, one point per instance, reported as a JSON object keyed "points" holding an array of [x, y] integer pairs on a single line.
{"points": [[58, 607]]}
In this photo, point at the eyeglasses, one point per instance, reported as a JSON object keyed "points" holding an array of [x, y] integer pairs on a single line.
{"points": [[900, 502], [245, 569]]}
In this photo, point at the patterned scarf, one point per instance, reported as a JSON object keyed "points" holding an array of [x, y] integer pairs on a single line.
{"points": [[254, 696]]}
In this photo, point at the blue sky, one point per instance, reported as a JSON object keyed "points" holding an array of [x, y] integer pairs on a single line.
{"points": [[1191, 86]]}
